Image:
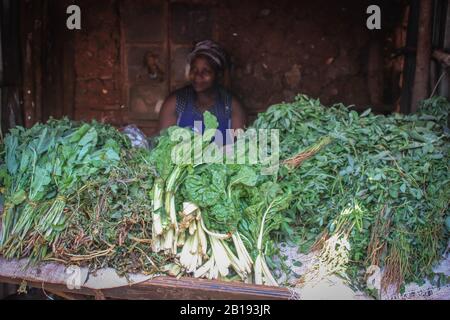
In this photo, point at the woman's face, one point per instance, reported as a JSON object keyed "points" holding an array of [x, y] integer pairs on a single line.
{"points": [[202, 75]]}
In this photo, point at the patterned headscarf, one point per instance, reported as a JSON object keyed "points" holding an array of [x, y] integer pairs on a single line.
{"points": [[211, 50]]}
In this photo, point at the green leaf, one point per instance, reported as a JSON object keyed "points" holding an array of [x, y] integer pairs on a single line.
{"points": [[79, 133], [366, 113], [246, 176], [89, 138], [210, 121], [403, 188], [40, 180], [19, 197]]}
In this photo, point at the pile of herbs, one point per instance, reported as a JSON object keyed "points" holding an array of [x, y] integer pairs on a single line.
{"points": [[77, 193], [374, 192], [377, 196]]}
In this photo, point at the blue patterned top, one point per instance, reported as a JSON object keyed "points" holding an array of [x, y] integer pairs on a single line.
{"points": [[188, 113]]}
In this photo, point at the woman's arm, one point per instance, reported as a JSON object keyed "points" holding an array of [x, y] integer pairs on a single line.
{"points": [[168, 113], [238, 116]]}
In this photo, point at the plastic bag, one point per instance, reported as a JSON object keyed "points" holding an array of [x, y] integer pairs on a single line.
{"points": [[137, 137]]}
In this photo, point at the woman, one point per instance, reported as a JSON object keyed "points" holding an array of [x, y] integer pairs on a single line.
{"points": [[207, 64]]}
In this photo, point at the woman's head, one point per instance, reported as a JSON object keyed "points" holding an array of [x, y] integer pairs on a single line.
{"points": [[207, 63]]}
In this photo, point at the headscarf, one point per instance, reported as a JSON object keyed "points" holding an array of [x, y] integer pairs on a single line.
{"points": [[213, 51]]}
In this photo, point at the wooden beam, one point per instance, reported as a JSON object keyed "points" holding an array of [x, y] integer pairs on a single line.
{"points": [[163, 288], [65, 295], [27, 62], [69, 77], [442, 57], [410, 56], [11, 111], [52, 277], [36, 52], [423, 58], [375, 73]]}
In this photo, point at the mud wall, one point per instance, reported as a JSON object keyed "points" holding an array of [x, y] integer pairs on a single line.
{"points": [[320, 48]]}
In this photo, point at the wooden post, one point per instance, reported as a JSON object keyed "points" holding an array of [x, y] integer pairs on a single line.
{"points": [[27, 58], [423, 57], [32, 15], [36, 52], [375, 73], [11, 111], [410, 57], [442, 57], [67, 39]]}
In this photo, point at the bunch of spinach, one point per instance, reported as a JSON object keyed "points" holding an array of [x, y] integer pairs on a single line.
{"points": [[44, 167]]}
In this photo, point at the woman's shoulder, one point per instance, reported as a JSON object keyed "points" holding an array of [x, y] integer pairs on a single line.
{"points": [[178, 94], [180, 98]]}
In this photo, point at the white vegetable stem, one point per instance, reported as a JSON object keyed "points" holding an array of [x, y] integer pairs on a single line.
{"points": [[220, 256], [262, 271], [213, 234], [258, 270], [195, 240], [157, 205], [202, 239], [189, 208], [242, 253], [170, 208], [205, 269], [237, 265], [263, 221], [268, 278]]}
